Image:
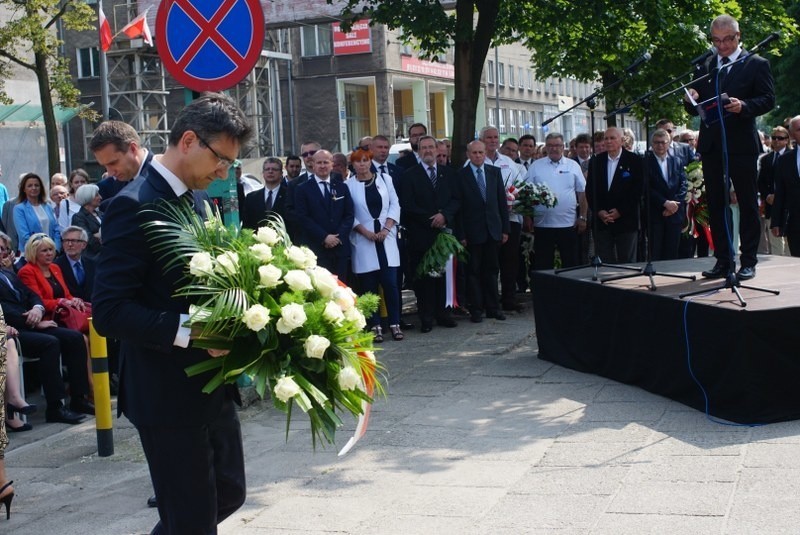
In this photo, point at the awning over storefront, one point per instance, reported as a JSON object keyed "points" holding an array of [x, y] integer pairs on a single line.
{"points": [[30, 113]]}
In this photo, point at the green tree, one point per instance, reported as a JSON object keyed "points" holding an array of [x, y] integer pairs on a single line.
{"points": [[29, 39], [786, 70]]}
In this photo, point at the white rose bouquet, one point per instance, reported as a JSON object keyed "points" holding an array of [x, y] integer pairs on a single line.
{"points": [[527, 196], [289, 324]]}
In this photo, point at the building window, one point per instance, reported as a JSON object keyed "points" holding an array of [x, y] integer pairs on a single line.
{"points": [[530, 79], [493, 117], [316, 40], [512, 121], [520, 78], [502, 125], [490, 72], [510, 76], [501, 77], [88, 62]]}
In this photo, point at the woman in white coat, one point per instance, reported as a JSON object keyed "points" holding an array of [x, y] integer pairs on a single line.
{"points": [[373, 240]]}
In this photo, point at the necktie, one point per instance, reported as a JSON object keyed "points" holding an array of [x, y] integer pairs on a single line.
{"points": [[724, 71], [526, 164], [382, 169], [269, 200], [327, 189], [432, 174], [80, 275], [188, 198], [481, 183]]}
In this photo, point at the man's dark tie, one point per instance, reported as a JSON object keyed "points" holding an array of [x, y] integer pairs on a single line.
{"points": [[724, 72], [80, 275], [327, 189], [526, 164], [382, 169], [481, 182], [432, 174], [269, 200], [188, 198]]}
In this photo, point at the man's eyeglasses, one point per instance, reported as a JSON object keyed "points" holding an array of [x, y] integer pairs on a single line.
{"points": [[273, 169], [728, 39], [661, 142], [779, 138], [223, 163], [308, 153], [71, 241]]}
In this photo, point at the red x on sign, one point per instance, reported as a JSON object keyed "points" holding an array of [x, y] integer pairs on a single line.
{"points": [[207, 45]]}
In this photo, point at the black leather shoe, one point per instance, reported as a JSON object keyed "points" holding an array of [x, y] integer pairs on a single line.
{"points": [[498, 315], [476, 317], [746, 273], [151, 501], [426, 328], [513, 307], [81, 406], [62, 415], [446, 322], [406, 326], [719, 271]]}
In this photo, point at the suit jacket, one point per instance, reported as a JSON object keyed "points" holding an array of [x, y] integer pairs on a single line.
{"points": [[479, 220], [419, 202], [16, 304], [83, 291], [394, 172], [134, 302], [672, 189], [766, 179], [786, 207], [750, 81], [31, 275], [318, 217], [27, 223], [91, 225], [8, 222], [110, 186], [407, 161], [256, 206], [682, 151], [625, 193]]}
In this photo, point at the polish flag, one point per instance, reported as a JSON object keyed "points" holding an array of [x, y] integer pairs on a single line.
{"points": [[105, 29], [138, 27]]}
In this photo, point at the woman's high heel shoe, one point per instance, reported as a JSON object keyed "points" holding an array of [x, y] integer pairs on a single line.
{"points": [[27, 410], [20, 429], [6, 500]]}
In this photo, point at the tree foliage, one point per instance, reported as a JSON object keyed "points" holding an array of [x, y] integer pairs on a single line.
{"points": [[29, 40], [786, 70]]}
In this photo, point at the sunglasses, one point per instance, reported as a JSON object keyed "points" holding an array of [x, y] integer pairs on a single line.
{"points": [[308, 154], [779, 138]]}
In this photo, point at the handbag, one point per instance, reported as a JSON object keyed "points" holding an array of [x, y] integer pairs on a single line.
{"points": [[72, 318]]}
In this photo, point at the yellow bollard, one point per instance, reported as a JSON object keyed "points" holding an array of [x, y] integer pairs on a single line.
{"points": [[102, 393]]}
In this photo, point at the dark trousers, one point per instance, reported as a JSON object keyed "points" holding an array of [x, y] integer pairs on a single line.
{"points": [[615, 247], [387, 279], [742, 170], [482, 276], [665, 240], [545, 242], [509, 265], [197, 473], [48, 344], [335, 260], [429, 291], [792, 233]]}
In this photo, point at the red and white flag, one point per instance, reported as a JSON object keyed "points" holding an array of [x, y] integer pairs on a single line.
{"points": [[105, 29], [138, 28]]}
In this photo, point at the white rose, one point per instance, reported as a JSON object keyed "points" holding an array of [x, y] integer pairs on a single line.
{"points": [[311, 258], [344, 297], [267, 236], [270, 276], [256, 317], [296, 255], [355, 315], [370, 355], [315, 346], [201, 265], [298, 281], [348, 378], [292, 316], [324, 281], [285, 389], [333, 313], [262, 251], [227, 263]]}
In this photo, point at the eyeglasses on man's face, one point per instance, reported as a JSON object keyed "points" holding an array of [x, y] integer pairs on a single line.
{"points": [[223, 163], [728, 39], [308, 153], [71, 241]]}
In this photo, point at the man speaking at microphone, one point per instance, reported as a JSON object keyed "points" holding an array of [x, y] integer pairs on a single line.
{"points": [[749, 85]]}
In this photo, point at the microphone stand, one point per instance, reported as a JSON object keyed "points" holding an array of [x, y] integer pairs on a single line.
{"points": [[648, 270], [595, 261], [732, 281]]}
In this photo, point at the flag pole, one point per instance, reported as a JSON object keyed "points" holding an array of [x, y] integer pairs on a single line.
{"points": [[104, 98]]}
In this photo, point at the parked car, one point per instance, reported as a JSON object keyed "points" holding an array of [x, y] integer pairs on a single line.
{"points": [[398, 149]]}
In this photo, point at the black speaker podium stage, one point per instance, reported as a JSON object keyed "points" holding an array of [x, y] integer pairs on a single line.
{"points": [[748, 359]]}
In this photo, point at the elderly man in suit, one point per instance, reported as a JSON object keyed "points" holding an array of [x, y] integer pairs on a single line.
{"points": [[785, 219], [192, 440], [428, 205], [324, 211], [483, 227], [667, 180], [677, 149], [271, 199], [78, 270], [751, 90], [614, 191]]}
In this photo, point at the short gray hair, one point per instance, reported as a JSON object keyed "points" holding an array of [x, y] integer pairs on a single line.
{"points": [[73, 228], [86, 193], [725, 21]]}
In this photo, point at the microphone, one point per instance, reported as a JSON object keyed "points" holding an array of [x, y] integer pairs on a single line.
{"points": [[636, 64], [771, 37], [704, 56]]}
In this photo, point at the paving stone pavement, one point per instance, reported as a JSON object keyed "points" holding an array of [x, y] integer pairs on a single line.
{"points": [[475, 436]]}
